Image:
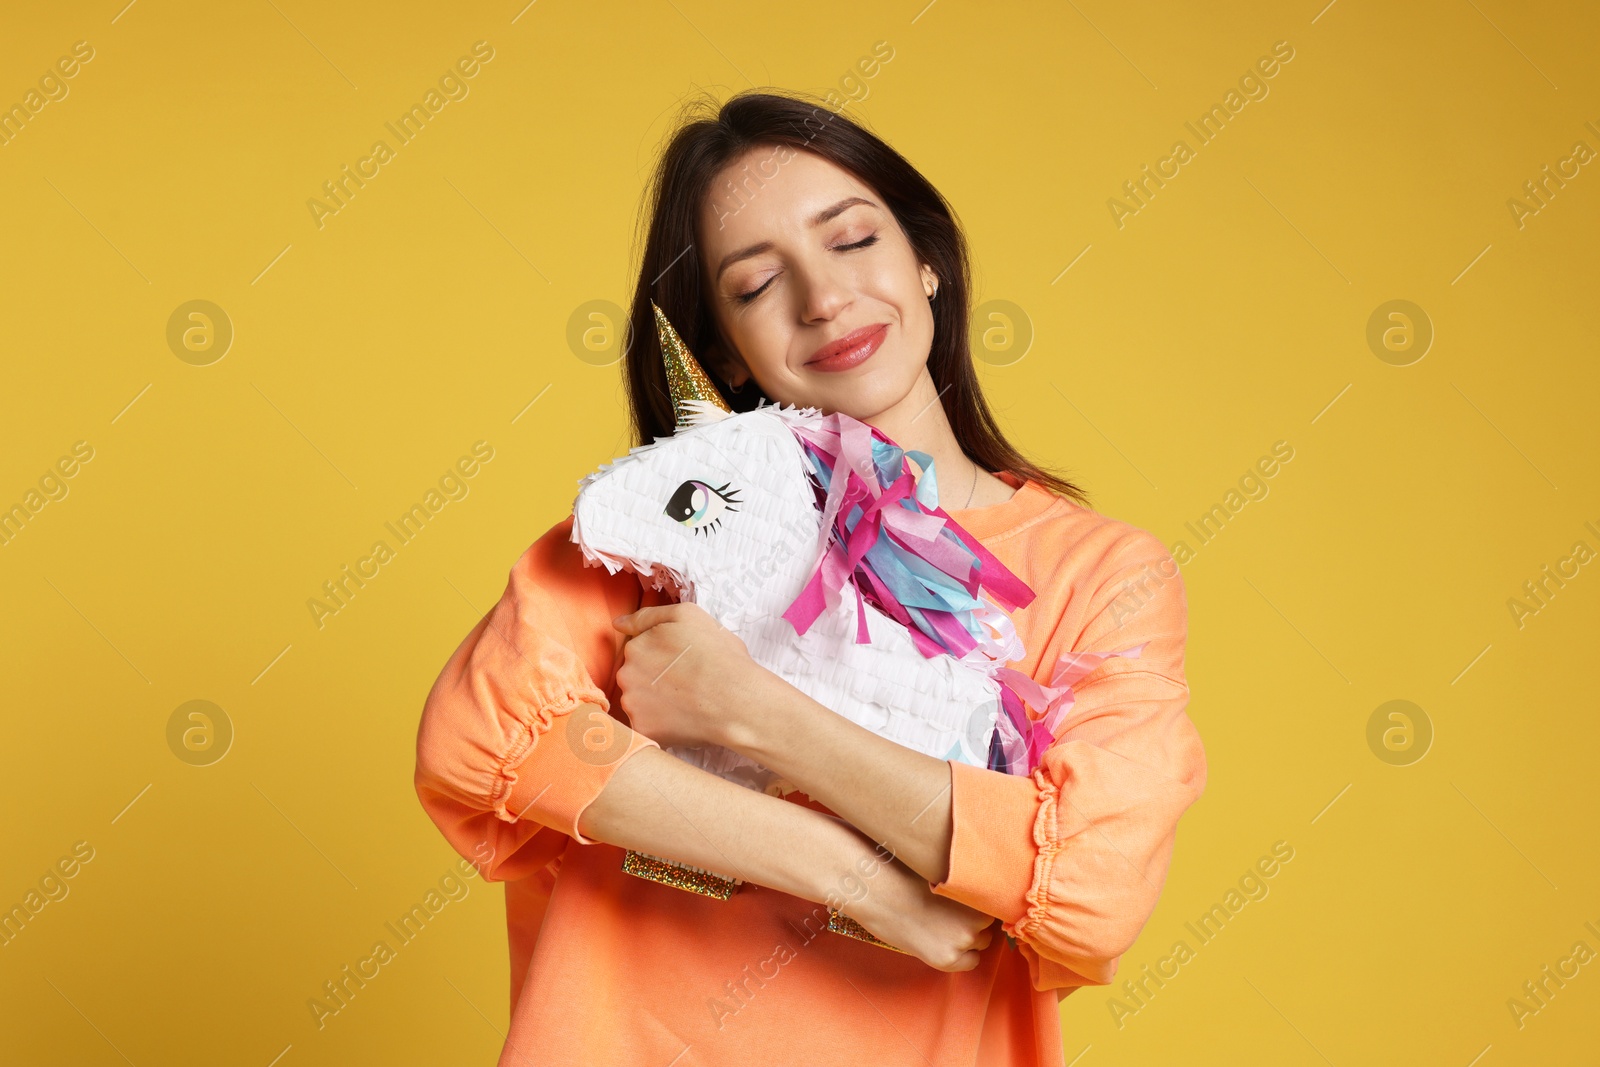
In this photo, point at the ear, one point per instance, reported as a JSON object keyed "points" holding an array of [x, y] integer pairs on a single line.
{"points": [[930, 281]]}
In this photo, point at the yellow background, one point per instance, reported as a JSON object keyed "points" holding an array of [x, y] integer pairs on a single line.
{"points": [[369, 354]]}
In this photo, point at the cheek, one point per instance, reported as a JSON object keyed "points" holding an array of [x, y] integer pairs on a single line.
{"points": [[916, 317], [916, 339], [763, 340], [899, 285]]}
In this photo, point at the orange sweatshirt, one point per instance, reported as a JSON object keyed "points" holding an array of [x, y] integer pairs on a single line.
{"points": [[608, 968]]}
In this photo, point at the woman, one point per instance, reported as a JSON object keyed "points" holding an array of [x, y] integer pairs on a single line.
{"points": [[808, 263]]}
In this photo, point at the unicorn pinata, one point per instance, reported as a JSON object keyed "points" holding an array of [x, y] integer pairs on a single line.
{"points": [[821, 544]]}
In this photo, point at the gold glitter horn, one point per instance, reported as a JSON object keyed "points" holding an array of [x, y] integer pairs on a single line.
{"points": [[687, 381], [685, 377]]}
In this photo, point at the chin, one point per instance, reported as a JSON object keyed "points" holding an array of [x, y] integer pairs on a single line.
{"points": [[862, 401], [865, 391]]}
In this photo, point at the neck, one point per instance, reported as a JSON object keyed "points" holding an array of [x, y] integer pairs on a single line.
{"points": [[917, 423]]}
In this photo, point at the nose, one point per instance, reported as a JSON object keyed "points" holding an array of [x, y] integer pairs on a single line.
{"points": [[825, 292]]}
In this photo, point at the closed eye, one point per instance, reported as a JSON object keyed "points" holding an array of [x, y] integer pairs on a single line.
{"points": [[865, 242]]}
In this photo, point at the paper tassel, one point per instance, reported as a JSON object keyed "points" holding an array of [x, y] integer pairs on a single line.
{"points": [[884, 536], [1020, 742]]}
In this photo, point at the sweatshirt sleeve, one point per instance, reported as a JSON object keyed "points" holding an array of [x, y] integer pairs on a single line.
{"points": [[503, 769], [1072, 858]]}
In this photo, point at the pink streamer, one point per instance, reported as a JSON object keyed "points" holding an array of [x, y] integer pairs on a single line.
{"points": [[845, 444], [1051, 702]]}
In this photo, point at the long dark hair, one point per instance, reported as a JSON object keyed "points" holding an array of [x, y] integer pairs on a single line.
{"points": [[670, 271]]}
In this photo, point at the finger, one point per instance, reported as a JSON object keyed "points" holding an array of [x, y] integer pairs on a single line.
{"points": [[984, 939], [637, 622], [965, 962]]}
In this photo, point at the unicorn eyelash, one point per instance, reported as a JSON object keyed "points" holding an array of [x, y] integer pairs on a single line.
{"points": [[707, 517]]}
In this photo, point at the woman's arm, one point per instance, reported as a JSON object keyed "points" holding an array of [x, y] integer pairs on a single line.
{"points": [[518, 760], [659, 804], [891, 793], [1071, 857], [656, 803], [686, 679]]}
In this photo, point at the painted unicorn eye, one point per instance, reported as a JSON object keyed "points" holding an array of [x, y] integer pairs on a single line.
{"points": [[699, 506]]}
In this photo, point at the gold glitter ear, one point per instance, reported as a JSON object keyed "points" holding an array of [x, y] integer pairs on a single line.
{"points": [[679, 875], [685, 377], [840, 923]]}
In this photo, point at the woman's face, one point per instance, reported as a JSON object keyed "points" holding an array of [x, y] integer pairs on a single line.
{"points": [[803, 257]]}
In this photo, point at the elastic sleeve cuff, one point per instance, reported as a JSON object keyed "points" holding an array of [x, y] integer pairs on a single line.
{"points": [[568, 767], [992, 847]]}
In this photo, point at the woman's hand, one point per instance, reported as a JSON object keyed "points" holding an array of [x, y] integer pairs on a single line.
{"points": [[899, 907], [681, 673]]}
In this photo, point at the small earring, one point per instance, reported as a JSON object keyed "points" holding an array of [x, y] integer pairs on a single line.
{"points": [[737, 389], [934, 294]]}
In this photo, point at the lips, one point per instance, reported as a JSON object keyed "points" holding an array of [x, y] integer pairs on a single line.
{"points": [[850, 350]]}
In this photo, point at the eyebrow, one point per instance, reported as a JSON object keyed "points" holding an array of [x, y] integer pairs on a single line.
{"points": [[825, 215]]}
